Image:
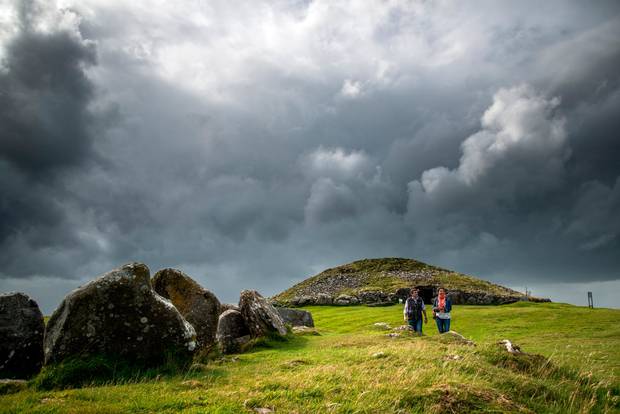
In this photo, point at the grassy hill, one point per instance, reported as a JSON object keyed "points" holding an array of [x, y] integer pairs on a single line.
{"points": [[353, 367], [388, 275]]}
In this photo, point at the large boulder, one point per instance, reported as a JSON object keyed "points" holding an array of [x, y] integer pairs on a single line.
{"points": [[232, 332], [260, 315], [119, 315], [198, 306], [21, 336], [296, 317]]}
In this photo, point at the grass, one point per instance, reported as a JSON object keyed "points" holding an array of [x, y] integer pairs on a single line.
{"points": [[352, 367]]}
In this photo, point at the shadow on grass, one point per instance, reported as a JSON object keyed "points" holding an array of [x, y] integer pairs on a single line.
{"points": [[104, 369], [288, 342]]}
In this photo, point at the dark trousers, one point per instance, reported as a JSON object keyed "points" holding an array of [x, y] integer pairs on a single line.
{"points": [[443, 325], [416, 324]]}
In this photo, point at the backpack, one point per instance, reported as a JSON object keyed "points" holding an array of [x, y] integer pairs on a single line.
{"points": [[414, 308]]}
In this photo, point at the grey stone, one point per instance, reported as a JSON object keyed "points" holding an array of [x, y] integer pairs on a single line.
{"points": [[305, 330], [323, 299], [119, 315], [296, 317], [342, 300], [260, 315], [21, 336], [199, 307], [232, 331]]}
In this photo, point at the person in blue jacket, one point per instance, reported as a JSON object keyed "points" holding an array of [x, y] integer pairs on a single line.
{"points": [[442, 305]]}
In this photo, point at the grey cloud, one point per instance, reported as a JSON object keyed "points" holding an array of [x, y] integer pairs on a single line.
{"points": [[47, 131], [232, 153], [44, 100]]}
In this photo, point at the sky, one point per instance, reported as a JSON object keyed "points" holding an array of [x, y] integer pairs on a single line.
{"points": [[252, 144]]}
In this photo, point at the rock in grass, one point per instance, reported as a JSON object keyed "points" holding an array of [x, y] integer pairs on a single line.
{"points": [[455, 338], [11, 386], [232, 332], [510, 347], [305, 330], [199, 307], [21, 336], [118, 315], [296, 317], [259, 315]]}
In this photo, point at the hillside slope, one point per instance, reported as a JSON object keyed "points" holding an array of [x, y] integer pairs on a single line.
{"points": [[387, 280]]}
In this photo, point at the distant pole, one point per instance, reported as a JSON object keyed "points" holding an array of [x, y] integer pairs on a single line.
{"points": [[590, 300]]}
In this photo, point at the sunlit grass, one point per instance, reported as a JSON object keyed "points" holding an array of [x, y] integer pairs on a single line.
{"points": [[354, 367]]}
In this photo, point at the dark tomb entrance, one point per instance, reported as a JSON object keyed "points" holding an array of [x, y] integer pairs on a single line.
{"points": [[427, 293]]}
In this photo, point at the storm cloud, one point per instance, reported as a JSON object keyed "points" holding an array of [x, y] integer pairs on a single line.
{"points": [[253, 145]]}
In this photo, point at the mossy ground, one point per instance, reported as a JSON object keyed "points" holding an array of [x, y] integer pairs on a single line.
{"points": [[352, 367]]}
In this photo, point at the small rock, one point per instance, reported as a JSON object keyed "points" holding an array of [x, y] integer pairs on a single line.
{"points": [[305, 330], [381, 325], [263, 410], [455, 337], [378, 355], [510, 347], [11, 386], [393, 335]]}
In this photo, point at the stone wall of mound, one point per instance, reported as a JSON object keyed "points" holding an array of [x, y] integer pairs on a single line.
{"points": [[379, 298], [384, 281]]}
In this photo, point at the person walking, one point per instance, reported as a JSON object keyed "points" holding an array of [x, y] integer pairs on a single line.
{"points": [[413, 311], [442, 305]]}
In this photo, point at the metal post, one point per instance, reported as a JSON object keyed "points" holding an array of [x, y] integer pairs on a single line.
{"points": [[590, 300]]}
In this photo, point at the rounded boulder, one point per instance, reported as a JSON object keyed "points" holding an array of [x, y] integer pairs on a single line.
{"points": [[199, 306], [118, 315]]}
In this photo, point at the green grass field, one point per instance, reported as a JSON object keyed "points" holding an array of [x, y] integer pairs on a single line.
{"points": [[353, 367]]}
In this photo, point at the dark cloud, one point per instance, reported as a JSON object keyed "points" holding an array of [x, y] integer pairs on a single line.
{"points": [[254, 148], [46, 131], [44, 100]]}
